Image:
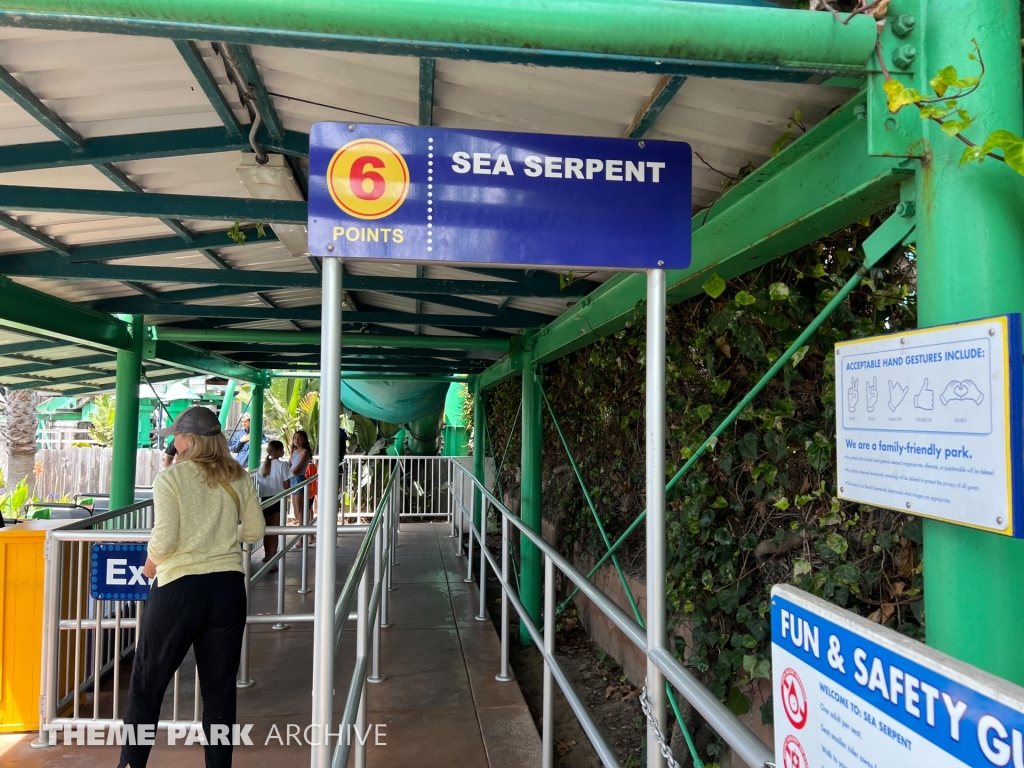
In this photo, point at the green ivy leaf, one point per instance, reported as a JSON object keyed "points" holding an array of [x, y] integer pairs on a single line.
{"points": [[714, 286], [737, 703], [781, 142], [236, 234], [782, 504], [1010, 143], [899, 95], [837, 543], [747, 445], [744, 298], [801, 567], [778, 291], [799, 355]]}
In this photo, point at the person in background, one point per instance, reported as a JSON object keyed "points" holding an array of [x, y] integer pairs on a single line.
{"points": [[302, 454], [272, 479], [239, 444], [203, 507]]}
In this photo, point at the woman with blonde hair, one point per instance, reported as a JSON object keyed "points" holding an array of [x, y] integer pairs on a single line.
{"points": [[204, 505]]}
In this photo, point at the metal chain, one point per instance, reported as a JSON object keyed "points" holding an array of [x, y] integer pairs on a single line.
{"points": [[652, 721]]}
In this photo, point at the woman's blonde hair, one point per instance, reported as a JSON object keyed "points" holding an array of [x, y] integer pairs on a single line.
{"points": [[211, 453]]}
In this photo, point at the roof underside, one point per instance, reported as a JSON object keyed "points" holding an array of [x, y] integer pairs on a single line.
{"points": [[126, 95]]}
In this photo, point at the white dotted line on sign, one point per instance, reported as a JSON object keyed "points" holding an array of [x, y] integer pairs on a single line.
{"points": [[430, 194]]}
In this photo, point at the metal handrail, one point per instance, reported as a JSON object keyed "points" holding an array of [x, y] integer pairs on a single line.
{"points": [[744, 743]]}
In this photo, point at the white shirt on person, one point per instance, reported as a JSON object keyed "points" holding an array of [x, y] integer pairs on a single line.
{"points": [[274, 482]]}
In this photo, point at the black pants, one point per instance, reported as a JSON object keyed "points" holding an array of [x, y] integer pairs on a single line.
{"points": [[206, 613]]}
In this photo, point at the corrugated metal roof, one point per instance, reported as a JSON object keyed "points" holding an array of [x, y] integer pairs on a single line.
{"points": [[105, 85]]}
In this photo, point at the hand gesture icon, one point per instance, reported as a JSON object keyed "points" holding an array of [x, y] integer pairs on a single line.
{"points": [[972, 392], [852, 395], [896, 394], [925, 399], [871, 393], [949, 393]]}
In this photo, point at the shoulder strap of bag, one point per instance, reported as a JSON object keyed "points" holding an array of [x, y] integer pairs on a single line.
{"points": [[234, 497]]}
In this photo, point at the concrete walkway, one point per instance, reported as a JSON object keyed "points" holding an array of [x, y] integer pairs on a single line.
{"points": [[438, 706]]}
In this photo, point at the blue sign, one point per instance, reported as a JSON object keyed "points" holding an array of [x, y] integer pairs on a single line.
{"points": [[116, 572], [386, 192], [849, 692]]}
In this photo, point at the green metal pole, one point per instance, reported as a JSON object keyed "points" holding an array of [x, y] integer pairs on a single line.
{"points": [[126, 419], [651, 28], [531, 568], [225, 406], [970, 245], [256, 426]]}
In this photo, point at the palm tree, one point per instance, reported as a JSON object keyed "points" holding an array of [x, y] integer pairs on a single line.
{"points": [[19, 434], [289, 405]]}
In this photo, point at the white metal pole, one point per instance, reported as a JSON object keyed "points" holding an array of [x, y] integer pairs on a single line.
{"points": [[327, 521], [548, 691], [378, 573], [656, 632], [304, 588], [504, 676], [482, 613], [362, 651], [243, 680]]}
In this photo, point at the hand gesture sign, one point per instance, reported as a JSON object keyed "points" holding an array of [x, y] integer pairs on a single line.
{"points": [[871, 393], [852, 396], [925, 399]]}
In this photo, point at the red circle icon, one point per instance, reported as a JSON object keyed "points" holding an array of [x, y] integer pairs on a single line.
{"points": [[794, 698], [793, 755]]}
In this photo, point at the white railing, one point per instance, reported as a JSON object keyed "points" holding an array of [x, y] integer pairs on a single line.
{"points": [[85, 638], [424, 491], [744, 743]]}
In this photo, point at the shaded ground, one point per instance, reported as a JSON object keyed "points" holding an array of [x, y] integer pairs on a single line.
{"points": [[613, 702]]}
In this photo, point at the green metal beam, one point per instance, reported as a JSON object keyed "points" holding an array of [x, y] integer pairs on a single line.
{"points": [[347, 340], [194, 59], [151, 379], [122, 180], [37, 237], [44, 265], [828, 182], [24, 308], [524, 316], [192, 359], [427, 67], [131, 249], [30, 346], [433, 379], [37, 365], [244, 352], [11, 87], [312, 313], [251, 72], [645, 35], [547, 283], [142, 146], [663, 94], [105, 203], [44, 383]]}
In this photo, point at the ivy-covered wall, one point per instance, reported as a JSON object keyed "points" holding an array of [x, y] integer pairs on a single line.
{"points": [[760, 508]]}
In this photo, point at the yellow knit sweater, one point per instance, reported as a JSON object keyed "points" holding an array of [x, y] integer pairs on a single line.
{"points": [[197, 528]]}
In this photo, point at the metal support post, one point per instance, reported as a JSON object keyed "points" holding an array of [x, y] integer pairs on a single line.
{"points": [[655, 418], [126, 418], [505, 675], [452, 506], [462, 513], [362, 652], [392, 557], [304, 577], [243, 680], [469, 554], [482, 613], [969, 246], [548, 694], [327, 522], [530, 496], [378, 572], [385, 621], [281, 540], [256, 429]]}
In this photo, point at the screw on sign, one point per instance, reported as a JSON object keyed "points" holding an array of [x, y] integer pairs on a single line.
{"points": [[794, 698], [793, 755], [368, 179]]}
